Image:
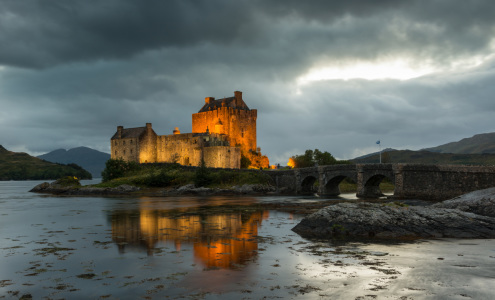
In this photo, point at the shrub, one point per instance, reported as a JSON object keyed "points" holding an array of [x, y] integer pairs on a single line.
{"points": [[203, 176], [245, 162], [159, 179], [68, 181], [115, 168]]}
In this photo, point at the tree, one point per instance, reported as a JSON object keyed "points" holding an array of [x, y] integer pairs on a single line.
{"points": [[310, 158], [115, 168], [245, 162], [323, 158]]}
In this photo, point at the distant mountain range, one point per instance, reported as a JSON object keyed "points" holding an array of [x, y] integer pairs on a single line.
{"points": [[477, 144], [22, 166], [476, 150], [90, 159]]}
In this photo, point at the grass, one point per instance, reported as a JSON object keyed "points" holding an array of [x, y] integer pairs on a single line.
{"points": [[148, 176]]}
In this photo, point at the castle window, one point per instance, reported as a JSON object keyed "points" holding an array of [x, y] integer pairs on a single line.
{"points": [[131, 151], [124, 144], [115, 152], [242, 132], [124, 152]]}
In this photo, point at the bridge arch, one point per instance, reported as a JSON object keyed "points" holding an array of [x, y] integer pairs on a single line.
{"points": [[331, 177], [331, 187], [370, 178], [308, 184]]}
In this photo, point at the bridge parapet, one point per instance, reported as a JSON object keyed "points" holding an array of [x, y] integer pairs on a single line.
{"points": [[441, 182]]}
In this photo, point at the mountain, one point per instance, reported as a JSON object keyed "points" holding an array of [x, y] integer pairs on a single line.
{"points": [[22, 166], [90, 159], [479, 143], [374, 153], [427, 157]]}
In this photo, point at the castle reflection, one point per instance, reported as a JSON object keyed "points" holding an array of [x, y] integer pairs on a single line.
{"points": [[218, 240]]}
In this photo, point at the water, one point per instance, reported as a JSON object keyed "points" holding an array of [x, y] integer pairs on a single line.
{"points": [[213, 248]]}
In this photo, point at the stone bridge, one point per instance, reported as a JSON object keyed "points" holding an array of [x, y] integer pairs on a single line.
{"points": [[412, 181]]}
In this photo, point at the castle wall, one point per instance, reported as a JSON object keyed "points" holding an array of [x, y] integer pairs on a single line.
{"points": [[188, 149], [147, 146], [222, 157], [126, 149], [238, 124], [184, 149]]}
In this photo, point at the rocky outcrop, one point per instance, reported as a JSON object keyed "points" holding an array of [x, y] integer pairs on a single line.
{"points": [[366, 220], [246, 189], [57, 189], [480, 202], [124, 189]]}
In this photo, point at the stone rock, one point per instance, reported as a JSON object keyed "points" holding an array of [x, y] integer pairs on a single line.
{"points": [[185, 188], [55, 188], [253, 189], [480, 202], [125, 188], [40, 187], [367, 220]]}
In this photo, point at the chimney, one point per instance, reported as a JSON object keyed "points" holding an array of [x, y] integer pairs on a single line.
{"points": [[119, 131], [208, 100], [238, 95], [148, 126]]}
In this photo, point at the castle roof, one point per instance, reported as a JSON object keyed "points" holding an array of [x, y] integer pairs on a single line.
{"points": [[227, 102], [130, 133]]}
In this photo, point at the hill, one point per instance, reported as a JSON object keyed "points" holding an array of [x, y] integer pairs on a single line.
{"points": [[22, 166], [477, 144], [427, 157], [374, 153], [90, 159]]}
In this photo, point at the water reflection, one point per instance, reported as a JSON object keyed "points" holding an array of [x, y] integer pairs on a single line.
{"points": [[218, 240]]}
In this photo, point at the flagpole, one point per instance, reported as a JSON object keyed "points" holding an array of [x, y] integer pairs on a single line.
{"points": [[380, 148], [380, 152]]}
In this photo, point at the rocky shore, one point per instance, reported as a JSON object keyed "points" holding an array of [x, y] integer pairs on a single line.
{"points": [[467, 216], [189, 189]]}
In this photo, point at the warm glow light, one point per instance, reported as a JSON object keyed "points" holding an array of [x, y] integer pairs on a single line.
{"points": [[291, 163], [396, 69]]}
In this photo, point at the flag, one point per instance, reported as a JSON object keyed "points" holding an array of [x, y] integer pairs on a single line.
{"points": [[378, 142]]}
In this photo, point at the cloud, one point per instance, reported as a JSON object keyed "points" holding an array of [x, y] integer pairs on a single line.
{"points": [[71, 71]]}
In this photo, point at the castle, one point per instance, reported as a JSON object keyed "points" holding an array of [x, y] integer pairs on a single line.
{"points": [[224, 131]]}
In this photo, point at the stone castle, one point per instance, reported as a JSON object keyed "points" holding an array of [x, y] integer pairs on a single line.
{"points": [[224, 131]]}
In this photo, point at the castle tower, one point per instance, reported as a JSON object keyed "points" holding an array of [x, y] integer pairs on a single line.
{"points": [[230, 116]]}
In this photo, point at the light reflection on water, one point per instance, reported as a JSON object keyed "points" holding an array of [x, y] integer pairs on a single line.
{"points": [[213, 247]]}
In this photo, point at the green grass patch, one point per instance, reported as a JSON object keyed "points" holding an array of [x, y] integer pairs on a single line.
{"points": [[149, 176]]}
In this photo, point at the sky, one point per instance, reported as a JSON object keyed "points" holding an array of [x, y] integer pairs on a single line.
{"points": [[330, 75]]}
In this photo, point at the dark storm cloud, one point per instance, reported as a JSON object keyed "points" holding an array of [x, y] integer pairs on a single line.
{"points": [[71, 71], [45, 33]]}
